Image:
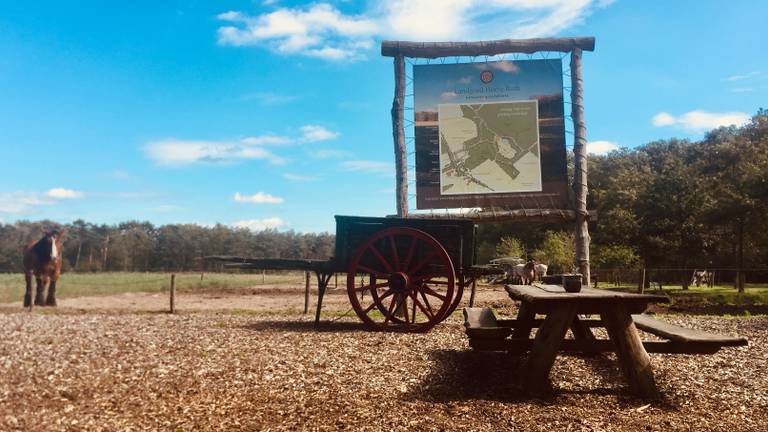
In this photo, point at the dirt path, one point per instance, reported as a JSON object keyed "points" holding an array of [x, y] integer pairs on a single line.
{"points": [[259, 299]]}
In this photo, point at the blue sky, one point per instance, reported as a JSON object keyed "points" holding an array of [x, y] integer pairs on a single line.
{"points": [[276, 113]]}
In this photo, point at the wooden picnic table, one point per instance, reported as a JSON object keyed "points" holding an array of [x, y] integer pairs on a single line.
{"points": [[562, 310]]}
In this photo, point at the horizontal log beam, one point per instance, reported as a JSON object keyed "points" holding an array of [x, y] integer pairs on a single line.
{"points": [[521, 215], [481, 48]]}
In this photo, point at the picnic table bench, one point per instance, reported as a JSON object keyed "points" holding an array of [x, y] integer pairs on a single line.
{"points": [[619, 313]]}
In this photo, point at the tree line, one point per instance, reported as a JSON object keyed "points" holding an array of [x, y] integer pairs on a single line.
{"points": [[142, 246], [671, 204], [666, 204]]}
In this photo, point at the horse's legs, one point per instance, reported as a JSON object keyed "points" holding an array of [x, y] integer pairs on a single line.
{"points": [[51, 300], [28, 291], [39, 298]]}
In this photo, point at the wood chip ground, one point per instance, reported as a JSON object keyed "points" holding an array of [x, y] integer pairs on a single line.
{"points": [[95, 370]]}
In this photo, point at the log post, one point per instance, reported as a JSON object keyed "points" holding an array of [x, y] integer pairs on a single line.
{"points": [[398, 134], [472, 293], [580, 169], [306, 292], [173, 293]]}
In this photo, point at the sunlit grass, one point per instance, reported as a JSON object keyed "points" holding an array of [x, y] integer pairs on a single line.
{"points": [[90, 284]]}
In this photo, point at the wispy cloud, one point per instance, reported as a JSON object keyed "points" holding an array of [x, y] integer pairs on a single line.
{"points": [[742, 90], [741, 77], [329, 154], [321, 30], [299, 178], [177, 153], [257, 225], [601, 147], [174, 152], [258, 198], [369, 166], [23, 202], [700, 121], [269, 98]]}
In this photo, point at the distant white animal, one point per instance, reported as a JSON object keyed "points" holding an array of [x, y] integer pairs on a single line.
{"points": [[540, 270]]}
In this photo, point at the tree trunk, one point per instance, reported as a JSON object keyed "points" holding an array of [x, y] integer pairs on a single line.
{"points": [[740, 274]]}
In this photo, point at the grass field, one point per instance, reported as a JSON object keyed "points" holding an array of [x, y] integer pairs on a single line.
{"points": [[720, 297], [89, 284]]}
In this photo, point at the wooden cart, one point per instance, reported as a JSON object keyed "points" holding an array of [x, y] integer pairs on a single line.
{"points": [[402, 274]]}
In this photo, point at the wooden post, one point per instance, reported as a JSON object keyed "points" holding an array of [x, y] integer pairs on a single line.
{"points": [[263, 276], [398, 134], [306, 292], [642, 283], [472, 293], [580, 170], [173, 292]]}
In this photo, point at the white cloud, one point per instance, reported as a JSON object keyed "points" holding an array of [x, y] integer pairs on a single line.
{"points": [[298, 178], [258, 198], [601, 147], [448, 95], [742, 90], [260, 224], [173, 152], [700, 121], [313, 133], [321, 30], [741, 77], [369, 166], [62, 193]]}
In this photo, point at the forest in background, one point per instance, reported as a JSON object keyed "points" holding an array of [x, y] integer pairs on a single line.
{"points": [[667, 204]]}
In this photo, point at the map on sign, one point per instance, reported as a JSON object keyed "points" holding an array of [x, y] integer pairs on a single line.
{"points": [[489, 148]]}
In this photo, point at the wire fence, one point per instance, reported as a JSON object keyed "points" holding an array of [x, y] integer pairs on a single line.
{"points": [[680, 277]]}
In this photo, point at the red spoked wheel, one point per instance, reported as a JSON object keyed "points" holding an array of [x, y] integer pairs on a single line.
{"points": [[410, 284]]}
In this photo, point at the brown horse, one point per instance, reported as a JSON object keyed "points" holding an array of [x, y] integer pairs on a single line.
{"points": [[42, 259]]}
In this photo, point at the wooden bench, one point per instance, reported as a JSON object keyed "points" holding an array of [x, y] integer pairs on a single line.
{"points": [[685, 340], [488, 333]]}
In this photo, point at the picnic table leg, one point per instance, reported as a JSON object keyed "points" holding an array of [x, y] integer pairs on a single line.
{"points": [[535, 372], [633, 359], [580, 330], [525, 318]]}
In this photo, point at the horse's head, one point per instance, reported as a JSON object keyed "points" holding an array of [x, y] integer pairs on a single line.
{"points": [[51, 243]]}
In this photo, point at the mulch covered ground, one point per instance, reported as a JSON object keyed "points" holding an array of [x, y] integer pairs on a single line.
{"points": [[223, 371]]}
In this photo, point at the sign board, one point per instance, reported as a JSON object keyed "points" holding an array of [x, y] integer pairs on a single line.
{"points": [[490, 135]]}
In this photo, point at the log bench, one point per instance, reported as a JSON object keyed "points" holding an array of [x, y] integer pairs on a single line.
{"points": [[488, 333]]}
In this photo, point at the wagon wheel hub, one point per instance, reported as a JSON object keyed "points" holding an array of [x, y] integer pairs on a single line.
{"points": [[399, 282]]}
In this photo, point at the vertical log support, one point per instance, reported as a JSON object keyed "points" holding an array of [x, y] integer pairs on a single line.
{"points": [[173, 293], [580, 169], [398, 134], [306, 292]]}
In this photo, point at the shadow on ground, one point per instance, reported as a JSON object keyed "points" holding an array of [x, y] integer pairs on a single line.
{"points": [[492, 376], [308, 326]]}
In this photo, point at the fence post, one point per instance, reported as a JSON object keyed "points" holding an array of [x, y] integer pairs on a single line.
{"points": [[306, 292], [263, 276], [173, 292], [642, 283]]}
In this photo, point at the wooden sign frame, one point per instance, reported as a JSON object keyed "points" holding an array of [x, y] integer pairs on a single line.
{"points": [[399, 50]]}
